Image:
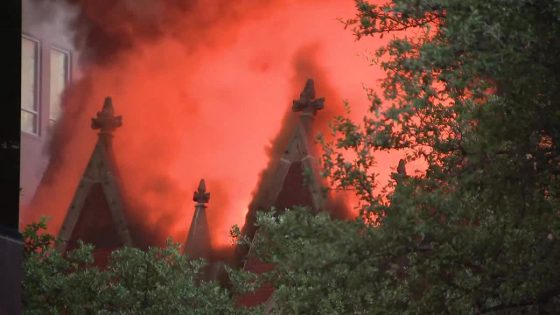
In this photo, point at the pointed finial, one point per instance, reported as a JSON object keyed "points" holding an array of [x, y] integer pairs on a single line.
{"points": [[401, 169], [308, 92], [307, 102], [201, 196], [106, 121]]}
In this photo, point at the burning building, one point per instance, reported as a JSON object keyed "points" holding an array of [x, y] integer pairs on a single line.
{"points": [[195, 97], [98, 215], [200, 86]]}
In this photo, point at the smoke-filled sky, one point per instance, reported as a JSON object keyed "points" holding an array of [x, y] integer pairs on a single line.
{"points": [[203, 88]]}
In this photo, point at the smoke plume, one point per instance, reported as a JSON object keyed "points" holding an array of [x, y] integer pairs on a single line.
{"points": [[203, 87]]}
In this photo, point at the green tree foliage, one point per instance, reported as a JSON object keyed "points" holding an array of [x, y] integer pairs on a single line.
{"points": [[472, 90], [156, 281]]}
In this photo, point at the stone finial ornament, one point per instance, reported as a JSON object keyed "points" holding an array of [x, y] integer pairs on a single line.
{"points": [[307, 102], [200, 195], [106, 121]]}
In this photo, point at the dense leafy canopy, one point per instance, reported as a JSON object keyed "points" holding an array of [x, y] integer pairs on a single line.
{"points": [[156, 281], [472, 90]]}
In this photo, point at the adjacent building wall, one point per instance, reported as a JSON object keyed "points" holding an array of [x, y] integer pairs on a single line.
{"points": [[46, 24]]}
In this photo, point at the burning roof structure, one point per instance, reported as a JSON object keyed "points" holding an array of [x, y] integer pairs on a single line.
{"points": [[293, 180], [190, 77], [96, 214]]}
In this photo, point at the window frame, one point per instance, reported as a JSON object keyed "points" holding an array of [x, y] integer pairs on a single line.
{"points": [[37, 93], [67, 78]]}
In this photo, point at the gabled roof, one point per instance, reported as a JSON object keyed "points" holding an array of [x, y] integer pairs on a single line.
{"points": [[96, 213], [293, 180]]}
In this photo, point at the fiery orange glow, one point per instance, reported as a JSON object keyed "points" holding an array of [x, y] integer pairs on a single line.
{"points": [[202, 90]]}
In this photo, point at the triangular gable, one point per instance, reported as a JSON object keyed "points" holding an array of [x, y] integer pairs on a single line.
{"points": [[97, 205], [295, 180], [297, 174]]}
